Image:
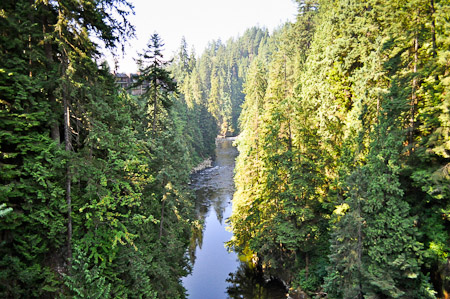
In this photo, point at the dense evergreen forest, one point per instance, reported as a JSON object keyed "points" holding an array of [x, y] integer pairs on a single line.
{"points": [[94, 197], [343, 176], [94, 181]]}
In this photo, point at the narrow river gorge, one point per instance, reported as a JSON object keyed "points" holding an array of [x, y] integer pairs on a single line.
{"points": [[218, 273]]}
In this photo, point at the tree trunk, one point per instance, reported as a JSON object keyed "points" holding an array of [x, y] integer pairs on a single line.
{"points": [[378, 107], [155, 105], [433, 27], [55, 135], [307, 266], [414, 94], [68, 148], [359, 251], [162, 219], [30, 43]]}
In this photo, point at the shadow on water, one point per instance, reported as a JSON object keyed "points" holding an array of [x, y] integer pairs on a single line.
{"points": [[249, 283], [213, 265]]}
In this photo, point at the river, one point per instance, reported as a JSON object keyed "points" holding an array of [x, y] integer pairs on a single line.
{"points": [[218, 273]]}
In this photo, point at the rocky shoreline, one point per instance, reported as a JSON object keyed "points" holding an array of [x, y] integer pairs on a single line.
{"points": [[207, 163]]}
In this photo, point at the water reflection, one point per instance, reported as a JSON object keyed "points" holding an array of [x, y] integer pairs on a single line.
{"points": [[249, 283], [214, 189], [218, 273]]}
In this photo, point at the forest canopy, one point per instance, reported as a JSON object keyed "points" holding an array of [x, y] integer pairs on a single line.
{"points": [[343, 175], [342, 178]]}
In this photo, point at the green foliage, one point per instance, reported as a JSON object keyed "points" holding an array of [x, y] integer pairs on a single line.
{"points": [[216, 80], [344, 135], [83, 281], [78, 168], [4, 210], [342, 183], [276, 210], [160, 83]]}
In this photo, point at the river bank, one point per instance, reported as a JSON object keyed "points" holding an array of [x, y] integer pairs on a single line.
{"points": [[207, 163]]}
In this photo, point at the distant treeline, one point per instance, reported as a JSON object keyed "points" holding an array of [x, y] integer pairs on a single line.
{"points": [[343, 178]]}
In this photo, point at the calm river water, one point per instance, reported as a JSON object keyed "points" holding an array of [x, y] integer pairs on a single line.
{"points": [[218, 273]]}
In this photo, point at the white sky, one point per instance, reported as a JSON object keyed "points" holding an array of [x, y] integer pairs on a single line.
{"points": [[200, 21]]}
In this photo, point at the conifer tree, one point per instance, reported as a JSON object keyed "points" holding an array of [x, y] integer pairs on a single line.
{"points": [[160, 82], [33, 232]]}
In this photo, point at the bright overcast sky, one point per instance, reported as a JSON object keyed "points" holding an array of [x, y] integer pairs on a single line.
{"points": [[200, 21]]}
